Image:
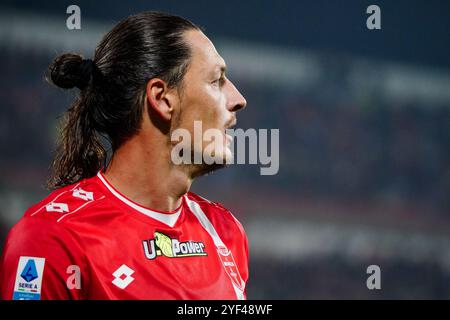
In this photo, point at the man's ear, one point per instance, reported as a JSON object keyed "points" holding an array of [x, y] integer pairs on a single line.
{"points": [[160, 98]]}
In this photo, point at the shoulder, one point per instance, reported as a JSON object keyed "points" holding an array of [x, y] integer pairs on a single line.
{"points": [[211, 208], [221, 218], [51, 227], [67, 203], [55, 219], [44, 224], [38, 236]]}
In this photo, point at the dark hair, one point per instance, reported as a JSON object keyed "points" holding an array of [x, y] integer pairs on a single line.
{"points": [[112, 89]]}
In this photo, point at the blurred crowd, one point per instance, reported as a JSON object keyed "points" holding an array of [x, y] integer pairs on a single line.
{"points": [[333, 277]]}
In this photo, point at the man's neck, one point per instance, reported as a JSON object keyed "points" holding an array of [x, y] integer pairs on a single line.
{"points": [[148, 177]]}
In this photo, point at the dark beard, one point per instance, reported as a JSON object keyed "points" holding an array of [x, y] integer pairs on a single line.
{"points": [[198, 170]]}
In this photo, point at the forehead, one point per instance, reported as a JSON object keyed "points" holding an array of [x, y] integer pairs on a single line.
{"points": [[205, 57]]}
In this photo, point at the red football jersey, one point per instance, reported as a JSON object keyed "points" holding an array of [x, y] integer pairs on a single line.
{"points": [[88, 241]]}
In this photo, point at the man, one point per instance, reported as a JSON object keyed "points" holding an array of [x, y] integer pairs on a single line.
{"points": [[130, 228]]}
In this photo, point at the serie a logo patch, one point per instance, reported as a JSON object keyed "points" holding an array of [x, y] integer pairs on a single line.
{"points": [[28, 284], [163, 245]]}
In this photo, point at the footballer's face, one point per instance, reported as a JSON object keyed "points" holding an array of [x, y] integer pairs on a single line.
{"points": [[208, 96]]}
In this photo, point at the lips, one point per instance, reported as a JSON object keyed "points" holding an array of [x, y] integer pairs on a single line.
{"points": [[231, 123]]}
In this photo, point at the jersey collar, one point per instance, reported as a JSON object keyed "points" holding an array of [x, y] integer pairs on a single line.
{"points": [[169, 218]]}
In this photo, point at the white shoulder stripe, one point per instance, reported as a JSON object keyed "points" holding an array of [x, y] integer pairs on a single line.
{"points": [[198, 212], [80, 207], [59, 195], [207, 225]]}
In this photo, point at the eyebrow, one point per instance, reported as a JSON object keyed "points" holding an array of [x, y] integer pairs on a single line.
{"points": [[222, 68]]}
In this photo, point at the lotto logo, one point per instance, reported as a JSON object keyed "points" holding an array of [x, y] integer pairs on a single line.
{"points": [[122, 276], [85, 195], [57, 207]]}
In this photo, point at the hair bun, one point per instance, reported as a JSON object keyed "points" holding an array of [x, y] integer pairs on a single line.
{"points": [[71, 70]]}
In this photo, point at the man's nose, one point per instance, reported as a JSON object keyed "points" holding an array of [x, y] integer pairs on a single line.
{"points": [[236, 100]]}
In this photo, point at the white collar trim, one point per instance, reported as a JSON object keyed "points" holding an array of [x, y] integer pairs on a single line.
{"points": [[167, 218]]}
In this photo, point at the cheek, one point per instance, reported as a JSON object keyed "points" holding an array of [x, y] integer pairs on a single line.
{"points": [[210, 108], [206, 104]]}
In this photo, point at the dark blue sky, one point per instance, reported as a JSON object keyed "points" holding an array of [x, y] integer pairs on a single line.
{"points": [[416, 32]]}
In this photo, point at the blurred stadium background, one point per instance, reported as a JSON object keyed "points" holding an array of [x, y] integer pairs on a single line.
{"points": [[364, 119]]}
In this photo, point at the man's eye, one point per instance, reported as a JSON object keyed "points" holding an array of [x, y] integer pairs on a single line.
{"points": [[219, 81]]}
